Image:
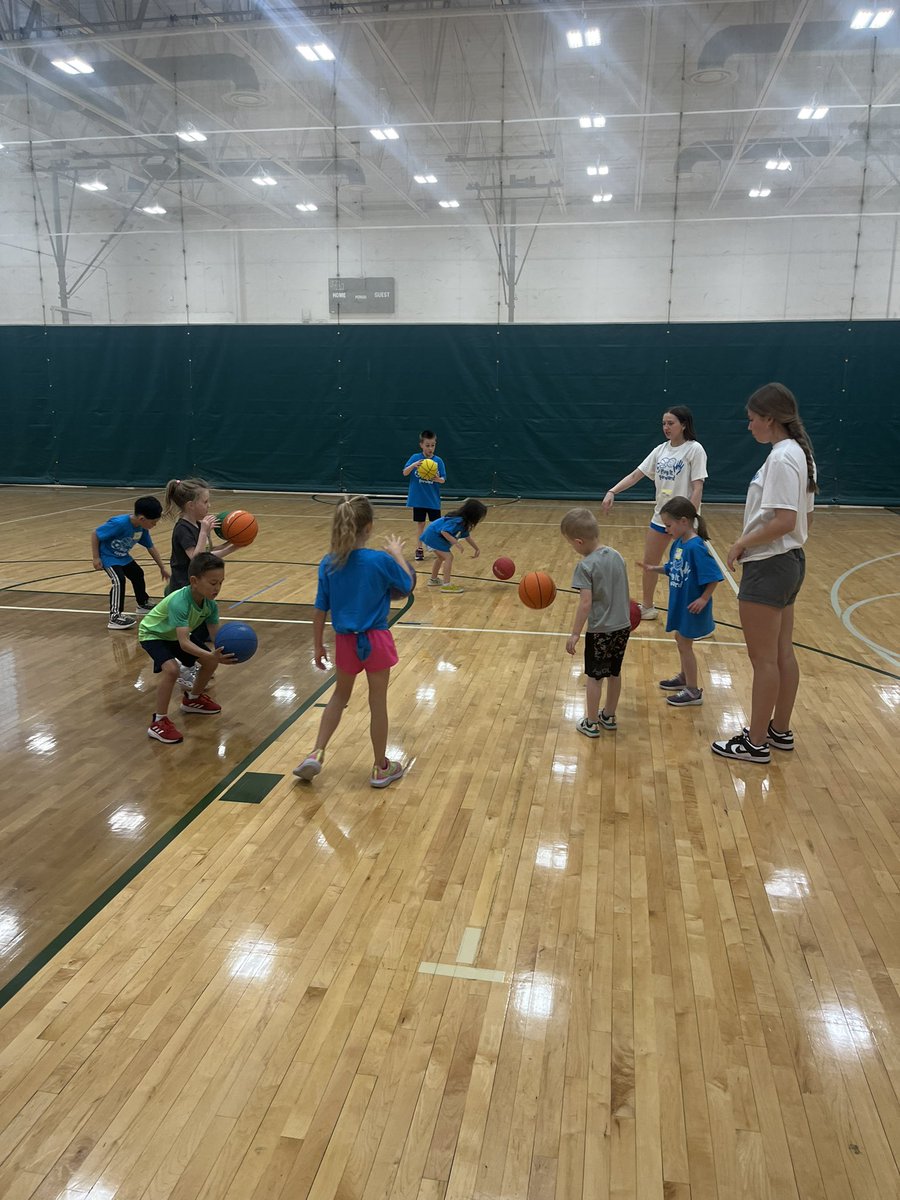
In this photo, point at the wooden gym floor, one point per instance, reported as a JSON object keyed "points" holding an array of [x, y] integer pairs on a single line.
{"points": [[537, 967]]}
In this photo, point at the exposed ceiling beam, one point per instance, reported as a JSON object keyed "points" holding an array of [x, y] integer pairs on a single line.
{"points": [[774, 71]]}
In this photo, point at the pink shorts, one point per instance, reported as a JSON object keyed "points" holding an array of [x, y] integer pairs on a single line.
{"points": [[383, 654]]}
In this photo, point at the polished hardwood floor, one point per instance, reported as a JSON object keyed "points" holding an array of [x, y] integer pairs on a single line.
{"points": [[537, 966]]}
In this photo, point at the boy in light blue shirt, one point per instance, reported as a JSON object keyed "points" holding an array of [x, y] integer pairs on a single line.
{"points": [[111, 545], [424, 496]]}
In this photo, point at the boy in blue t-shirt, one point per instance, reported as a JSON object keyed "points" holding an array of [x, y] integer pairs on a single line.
{"points": [[111, 545], [424, 496]]}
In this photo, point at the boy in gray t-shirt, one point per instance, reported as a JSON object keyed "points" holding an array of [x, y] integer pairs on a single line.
{"points": [[603, 604]]}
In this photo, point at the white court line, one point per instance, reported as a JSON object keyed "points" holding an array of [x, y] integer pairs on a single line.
{"points": [[845, 615], [97, 612], [59, 512], [729, 575], [480, 973], [468, 946]]}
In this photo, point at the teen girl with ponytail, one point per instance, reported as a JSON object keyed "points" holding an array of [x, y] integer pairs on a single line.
{"points": [[770, 550], [355, 586]]}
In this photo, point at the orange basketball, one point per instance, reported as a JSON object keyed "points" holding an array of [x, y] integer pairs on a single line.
{"points": [[240, 528], [537, 590]]}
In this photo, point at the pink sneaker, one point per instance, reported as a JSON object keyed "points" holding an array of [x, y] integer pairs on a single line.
{"points": [[311, 765], [382, 776]]}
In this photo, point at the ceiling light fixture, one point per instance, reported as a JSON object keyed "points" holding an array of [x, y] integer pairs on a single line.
{"points": [[812, 112], [592, 122], [307, 207], [264, 180], [388, 134], [578, 38], [94, 186], [154, 210], [449, 203], [760, 193], [780, 163], [73, 66], [425, 178], [318, 52], [867, 18], [602, 198], [600, 169], [190, 134]]}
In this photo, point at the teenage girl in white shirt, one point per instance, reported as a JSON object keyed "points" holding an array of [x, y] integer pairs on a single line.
{"points": [[776, 525], [677, 468]]}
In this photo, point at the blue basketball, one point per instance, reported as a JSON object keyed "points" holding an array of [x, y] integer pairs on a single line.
{"points": [[234, 637]]}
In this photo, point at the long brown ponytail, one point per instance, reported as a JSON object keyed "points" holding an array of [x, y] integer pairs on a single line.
{"points": [[778, 402], [350, 518], [680, 506]]}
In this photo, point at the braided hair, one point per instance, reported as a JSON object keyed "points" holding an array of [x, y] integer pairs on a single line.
{"points": [[778, 402]]}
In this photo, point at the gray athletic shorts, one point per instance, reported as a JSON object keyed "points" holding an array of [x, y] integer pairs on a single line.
{"points": [[773, 581]]}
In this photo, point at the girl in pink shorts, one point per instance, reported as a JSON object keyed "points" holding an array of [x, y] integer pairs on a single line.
{"points": [[355, 585]]}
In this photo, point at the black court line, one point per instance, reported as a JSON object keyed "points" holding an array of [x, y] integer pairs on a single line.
{"points": [[62, 939]]}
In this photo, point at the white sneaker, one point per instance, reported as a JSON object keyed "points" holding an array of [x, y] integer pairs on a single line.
{"points": [[649, 613], [187, 676]]}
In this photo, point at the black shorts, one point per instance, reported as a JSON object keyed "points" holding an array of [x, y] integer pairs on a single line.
{"points": [[161, 651], [426, 514], [603, 653], [774, 581]]}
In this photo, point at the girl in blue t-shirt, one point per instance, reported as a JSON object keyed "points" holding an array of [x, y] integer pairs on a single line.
{"points": [[693, 577], [355, 586], [445, 533]]}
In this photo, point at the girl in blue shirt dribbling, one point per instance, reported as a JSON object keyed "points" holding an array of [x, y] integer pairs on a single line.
{"points": [[445, 533], [693, 576], [355, 586]]}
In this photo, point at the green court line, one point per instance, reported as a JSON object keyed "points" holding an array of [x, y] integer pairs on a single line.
{"points": [[62, 939], [251, 788]]}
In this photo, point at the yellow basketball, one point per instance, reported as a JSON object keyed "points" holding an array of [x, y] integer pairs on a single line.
{"points": [[427, 470]]}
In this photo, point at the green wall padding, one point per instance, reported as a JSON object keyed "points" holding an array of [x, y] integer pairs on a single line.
{"points": [[533, 410]]}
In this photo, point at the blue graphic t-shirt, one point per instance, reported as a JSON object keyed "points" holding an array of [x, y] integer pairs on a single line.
{"points": [[117, 536], [358, 594], [690, 568], [431, 536], [421, 494]]}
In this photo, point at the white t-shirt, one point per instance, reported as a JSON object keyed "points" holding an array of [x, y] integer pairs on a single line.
{"points": [[781, 482], [673, 469]]}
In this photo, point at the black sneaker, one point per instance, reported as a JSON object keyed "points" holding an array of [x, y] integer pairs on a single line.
{"points": [[741, 748], [777, 741], [122, 621], [420, 554], [675, 684], [780, 740]]}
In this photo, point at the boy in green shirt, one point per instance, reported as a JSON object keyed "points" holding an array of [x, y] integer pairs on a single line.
{"points": [[176, 632]]}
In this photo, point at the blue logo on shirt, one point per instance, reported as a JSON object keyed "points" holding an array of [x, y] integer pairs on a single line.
{"points": [[669, 467]]}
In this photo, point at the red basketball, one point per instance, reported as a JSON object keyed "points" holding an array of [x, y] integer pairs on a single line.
{"points": [[240, 528], [634, 614], [537, 589], [504, 568]]}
